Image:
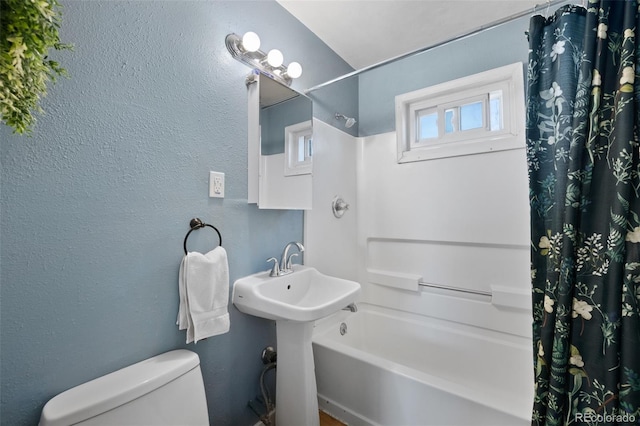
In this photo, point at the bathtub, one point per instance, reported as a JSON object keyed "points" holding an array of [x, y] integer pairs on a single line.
{"points": [[395, 368]]}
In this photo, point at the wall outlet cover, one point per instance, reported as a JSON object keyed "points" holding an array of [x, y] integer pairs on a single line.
{"points": [[216, 184]]}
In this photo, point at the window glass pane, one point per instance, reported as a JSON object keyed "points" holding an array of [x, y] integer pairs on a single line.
{"points": [[495, 110], [450, 117], [300, 149], [471, 116], [428, 126], [309, 146]]}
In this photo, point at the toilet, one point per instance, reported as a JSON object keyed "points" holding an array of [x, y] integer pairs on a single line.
{"points": [[161, 391]]}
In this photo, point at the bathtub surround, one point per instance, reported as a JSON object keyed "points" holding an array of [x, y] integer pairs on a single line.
{"points": [[96, 204], [430, 206], [374, 235], [331, 243], [459, 222]]}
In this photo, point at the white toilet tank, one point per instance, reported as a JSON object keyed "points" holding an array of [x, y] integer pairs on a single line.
{"points": [[164, 390]]}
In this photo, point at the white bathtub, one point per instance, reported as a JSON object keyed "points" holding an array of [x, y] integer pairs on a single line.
{"points": [[394, 368]]}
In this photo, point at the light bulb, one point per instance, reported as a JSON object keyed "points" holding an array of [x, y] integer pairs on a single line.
{"points": [[250, 41], [294, 70], [275, 58]]}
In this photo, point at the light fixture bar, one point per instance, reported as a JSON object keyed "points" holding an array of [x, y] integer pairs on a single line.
{"points": [[258, 59]]}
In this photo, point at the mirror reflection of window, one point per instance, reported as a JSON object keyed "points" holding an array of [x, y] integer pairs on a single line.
{"points": [[299, 149], [273, 108], [305, 150], [280, 106]]}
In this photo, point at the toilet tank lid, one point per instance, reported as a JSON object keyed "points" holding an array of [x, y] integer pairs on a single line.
{"points": [[108, 392]]}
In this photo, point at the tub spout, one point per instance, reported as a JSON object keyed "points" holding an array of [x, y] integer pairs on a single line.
{"points": [[351, 307]]}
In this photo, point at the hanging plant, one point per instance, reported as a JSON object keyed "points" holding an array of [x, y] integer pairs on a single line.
{"points": [[28, 29]]}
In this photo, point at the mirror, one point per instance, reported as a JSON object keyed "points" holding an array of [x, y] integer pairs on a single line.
{"points": [[280, 145], [280, 107]]}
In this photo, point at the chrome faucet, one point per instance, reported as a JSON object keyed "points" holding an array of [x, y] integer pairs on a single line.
{"points": [[351, 307], [285, 266], [285, 259]]}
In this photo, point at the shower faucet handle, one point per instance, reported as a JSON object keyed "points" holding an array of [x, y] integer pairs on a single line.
{"points": [[339, 206]]}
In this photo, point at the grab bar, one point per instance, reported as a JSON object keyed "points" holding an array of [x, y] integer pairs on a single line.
{"points": [[462, 290], [407, 281]]}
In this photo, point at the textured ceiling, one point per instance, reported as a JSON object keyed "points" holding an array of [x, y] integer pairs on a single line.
{"points": [[365, 32]]}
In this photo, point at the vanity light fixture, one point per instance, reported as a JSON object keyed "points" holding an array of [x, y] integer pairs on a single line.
{"points": [[275, 58], [246, 49], [250, 42]]}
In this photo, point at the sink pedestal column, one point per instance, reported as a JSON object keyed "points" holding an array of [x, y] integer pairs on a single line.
{"points": [[296, 391]]}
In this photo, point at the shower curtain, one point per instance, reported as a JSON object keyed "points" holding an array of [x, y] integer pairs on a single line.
{"points": [[584, 172]]}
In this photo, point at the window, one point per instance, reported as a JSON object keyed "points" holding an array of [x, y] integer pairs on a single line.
{"points": [[298, 149], [471, 115]]}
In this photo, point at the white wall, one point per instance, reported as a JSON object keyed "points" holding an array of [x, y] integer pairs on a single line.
{"points": [[330, 243], [460, 222]]}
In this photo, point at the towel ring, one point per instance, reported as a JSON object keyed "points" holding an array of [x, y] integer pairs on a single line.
{"points": [[196, 223]]}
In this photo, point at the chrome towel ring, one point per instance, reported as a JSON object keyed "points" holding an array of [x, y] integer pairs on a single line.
{"points": [[196, 223]]}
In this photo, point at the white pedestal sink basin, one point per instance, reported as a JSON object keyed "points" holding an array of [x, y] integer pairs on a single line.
{"points": [[294, 301]]}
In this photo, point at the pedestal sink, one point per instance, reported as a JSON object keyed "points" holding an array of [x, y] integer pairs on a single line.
{"points": [[294, 301]]}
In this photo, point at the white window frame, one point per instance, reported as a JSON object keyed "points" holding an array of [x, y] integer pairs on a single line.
{"points": [[293, 167], [456, 93]]}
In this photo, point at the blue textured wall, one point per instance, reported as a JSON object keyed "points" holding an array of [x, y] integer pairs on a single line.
{"points": [[339, 97], [95, 205], [493, 48], [370, 96]]}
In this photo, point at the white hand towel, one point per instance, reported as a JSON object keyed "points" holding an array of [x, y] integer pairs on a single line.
{"points": [[183, 309], [206, 289]]}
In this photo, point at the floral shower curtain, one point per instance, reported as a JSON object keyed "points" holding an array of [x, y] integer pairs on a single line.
{"points": [[583, 116]]}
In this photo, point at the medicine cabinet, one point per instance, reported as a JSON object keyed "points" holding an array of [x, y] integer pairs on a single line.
{"points": [[280, 145]]}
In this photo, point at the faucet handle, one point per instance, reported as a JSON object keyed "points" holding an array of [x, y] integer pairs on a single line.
{"points": [[289, 264], [275, 270], [339, 206]]}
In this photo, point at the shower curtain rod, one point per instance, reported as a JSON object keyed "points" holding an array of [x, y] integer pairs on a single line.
{"points": [[494, 24]]}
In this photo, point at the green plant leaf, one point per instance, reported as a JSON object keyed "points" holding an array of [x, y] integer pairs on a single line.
{"points": [[30, 30]]}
